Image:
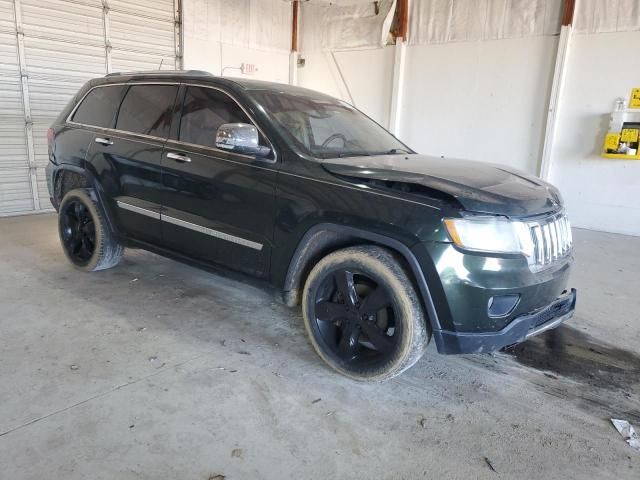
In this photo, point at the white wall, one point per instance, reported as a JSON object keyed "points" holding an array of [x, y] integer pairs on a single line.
{"points": [[482, 100], [360, 77], [602, 194], [219, 36]]}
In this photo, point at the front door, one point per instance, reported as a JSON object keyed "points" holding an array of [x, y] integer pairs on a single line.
{"points": [[218, 206]]}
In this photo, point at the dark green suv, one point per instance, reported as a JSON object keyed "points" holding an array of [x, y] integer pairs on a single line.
{"points": [[384, 248]]}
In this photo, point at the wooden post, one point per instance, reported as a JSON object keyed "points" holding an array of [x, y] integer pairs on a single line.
{"points": [[294, 29], [293, 55]]}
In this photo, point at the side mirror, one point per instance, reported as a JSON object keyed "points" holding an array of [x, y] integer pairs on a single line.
{"points": [[240, 138]]}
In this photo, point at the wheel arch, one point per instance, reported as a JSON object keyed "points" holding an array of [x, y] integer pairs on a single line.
{"points": [[65, 179], [69, 177], [325, 238]]}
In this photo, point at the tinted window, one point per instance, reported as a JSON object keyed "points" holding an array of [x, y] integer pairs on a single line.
{"points": [[204, 110], [147, 109], [99, 107]]}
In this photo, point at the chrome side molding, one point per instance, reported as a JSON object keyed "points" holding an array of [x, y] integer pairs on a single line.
{"points": [[191, 226]]}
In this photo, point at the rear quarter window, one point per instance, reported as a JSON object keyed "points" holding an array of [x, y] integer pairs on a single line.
{"points": [[99, 106], [147, 109]]}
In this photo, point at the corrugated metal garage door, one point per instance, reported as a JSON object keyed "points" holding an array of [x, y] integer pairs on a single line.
{"points": [[48, 49]]}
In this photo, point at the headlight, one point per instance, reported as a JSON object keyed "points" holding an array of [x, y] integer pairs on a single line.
{"points": [[490, 234]]}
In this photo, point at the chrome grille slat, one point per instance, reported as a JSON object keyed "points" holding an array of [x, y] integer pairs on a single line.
{"points": [[554, 240], [537, 242], [551, 238], [565, 242], [546, 231]]}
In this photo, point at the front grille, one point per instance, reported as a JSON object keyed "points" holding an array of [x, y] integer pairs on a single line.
{"points": [[552, 239]]}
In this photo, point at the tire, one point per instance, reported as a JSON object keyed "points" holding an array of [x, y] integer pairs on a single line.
{"points": [[374, 331], [84, 234]]}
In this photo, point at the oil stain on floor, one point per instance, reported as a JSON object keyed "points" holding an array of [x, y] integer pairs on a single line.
{"points": [[603, 377]]}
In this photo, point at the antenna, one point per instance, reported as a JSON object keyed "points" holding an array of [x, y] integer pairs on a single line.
{"points": [[160, 66]]}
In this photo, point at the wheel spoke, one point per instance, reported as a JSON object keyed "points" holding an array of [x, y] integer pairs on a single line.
{"points": [[70, 222], [378, 338], [348, 346], [84, 252], [87, 227], [346, 287], [329, 312], [375, 301], [74, 244]]}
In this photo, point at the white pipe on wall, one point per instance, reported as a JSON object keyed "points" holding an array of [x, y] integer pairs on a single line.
{"points": [[397, 87], [559, 74]]}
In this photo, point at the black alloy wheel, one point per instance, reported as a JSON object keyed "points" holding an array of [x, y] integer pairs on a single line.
{"points": [[84, 232], [355, 318], [363, 315], [78, 232]]}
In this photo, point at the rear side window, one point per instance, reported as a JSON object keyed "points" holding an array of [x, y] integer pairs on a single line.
{"points": [[99, 107], [147, 109], [203, 111]]}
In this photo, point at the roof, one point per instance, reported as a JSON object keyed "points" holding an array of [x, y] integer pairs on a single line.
{"points": [[201, 75]]}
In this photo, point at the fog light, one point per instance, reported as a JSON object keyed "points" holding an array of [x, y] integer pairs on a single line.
{"points": [[502, 305]]}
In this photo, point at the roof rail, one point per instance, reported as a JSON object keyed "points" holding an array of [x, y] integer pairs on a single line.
{"points": [[160, 72]]}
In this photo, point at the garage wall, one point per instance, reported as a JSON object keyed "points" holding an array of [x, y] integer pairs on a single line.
{"points": [[48, 49], [340, 73], [477, 82], [482, 100], [602, 194], [221, 35], [459, 99]]}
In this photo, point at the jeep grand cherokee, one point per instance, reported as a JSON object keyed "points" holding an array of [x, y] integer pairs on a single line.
{"points": [[383, 247]]}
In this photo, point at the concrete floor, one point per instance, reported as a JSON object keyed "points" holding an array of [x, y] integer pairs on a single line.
{"points": [[158, 370]]}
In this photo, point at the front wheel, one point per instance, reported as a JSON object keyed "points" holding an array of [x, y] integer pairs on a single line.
{"points": [[86, 239], [363, 315]]}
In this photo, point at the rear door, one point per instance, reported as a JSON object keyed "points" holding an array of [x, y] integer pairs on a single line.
{"points": [[218, 206], [128, 157]]}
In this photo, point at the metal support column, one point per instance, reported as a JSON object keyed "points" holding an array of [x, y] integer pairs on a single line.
{"points": [[178, 33], [106, 29], [26, 105]]}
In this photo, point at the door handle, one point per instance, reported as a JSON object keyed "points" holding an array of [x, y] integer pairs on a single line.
{"points": [[104, 141], [179, 157]]}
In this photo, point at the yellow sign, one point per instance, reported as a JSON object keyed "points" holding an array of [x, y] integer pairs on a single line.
{"points": [[635, 98], [629, 135], [611, 141]]}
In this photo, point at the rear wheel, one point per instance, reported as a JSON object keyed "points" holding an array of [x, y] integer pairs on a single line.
{"points": [[363, 315], [84, 234]]}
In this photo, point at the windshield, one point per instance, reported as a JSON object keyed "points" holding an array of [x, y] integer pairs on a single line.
{"points": [[324, 127]]}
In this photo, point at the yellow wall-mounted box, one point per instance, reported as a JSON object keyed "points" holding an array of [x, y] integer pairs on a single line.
{"points": [[611, 141], [621, 156], [629, 135], [634, 102]]}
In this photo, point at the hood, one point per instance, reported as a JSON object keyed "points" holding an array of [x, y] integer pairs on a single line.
{"points": [[478, 187]]}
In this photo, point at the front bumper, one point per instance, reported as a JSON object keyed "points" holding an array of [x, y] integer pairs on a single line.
{"points": [[518, 330]]}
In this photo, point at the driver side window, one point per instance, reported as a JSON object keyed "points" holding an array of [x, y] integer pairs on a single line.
{"points": [[203, 111]]}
